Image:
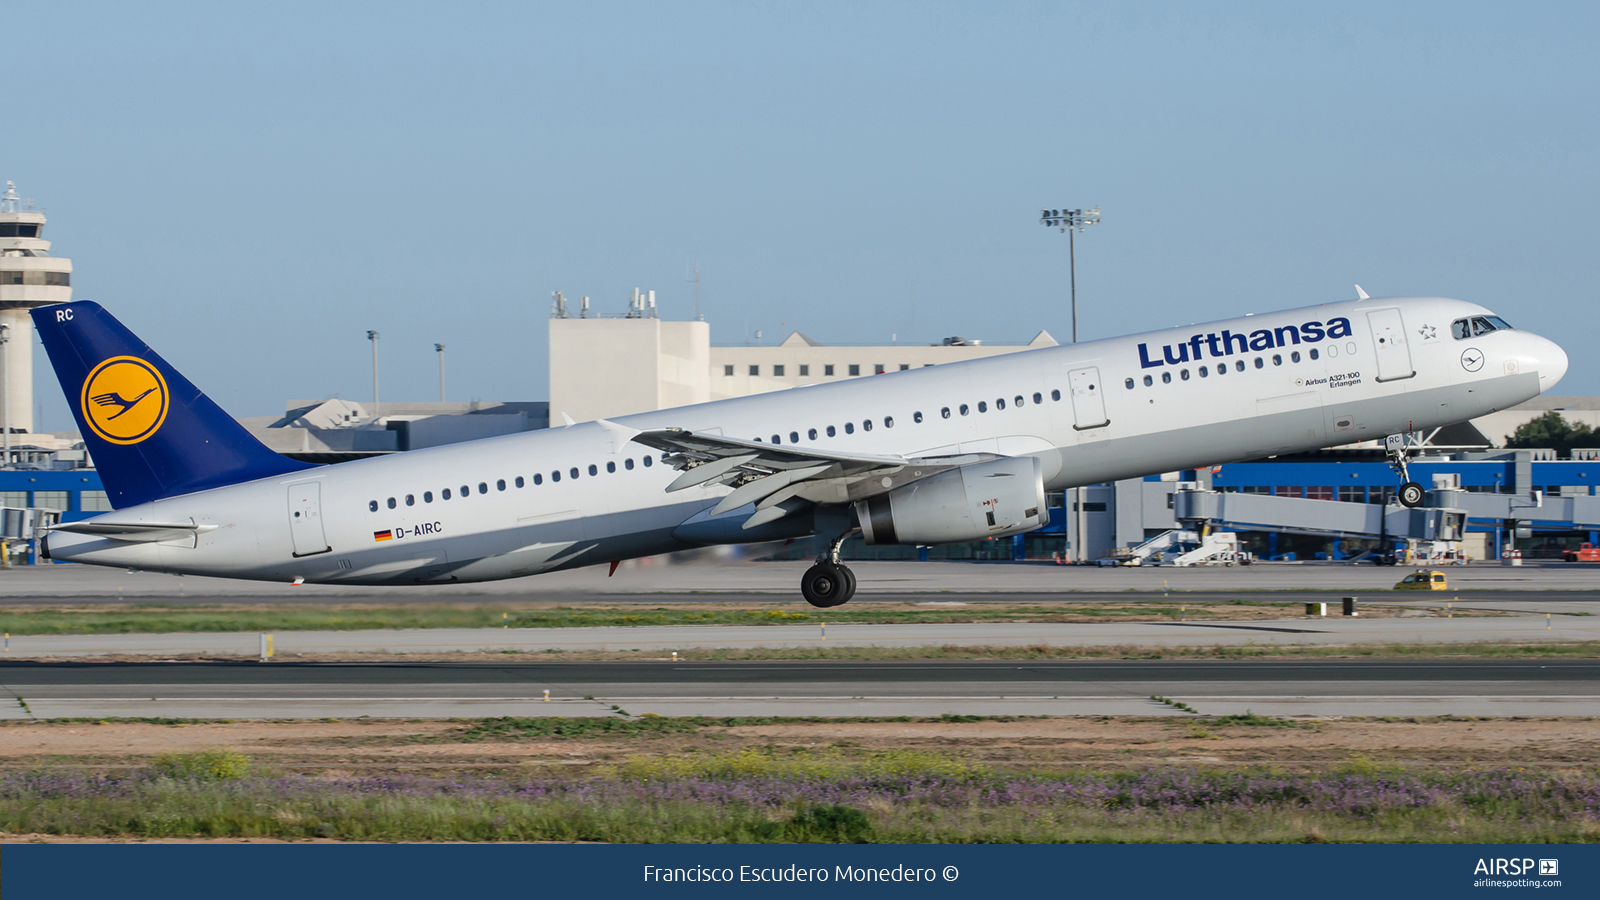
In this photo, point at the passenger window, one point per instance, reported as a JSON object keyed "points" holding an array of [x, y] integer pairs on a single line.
{"points": [[445, 494], [866, 424], [1203, 372], [611, 466], [647, 462], [1222, 368], [1260, 363], [944, 413], [427, 496], [520, 482], [888, 421], [1313, 352], [1238, 365], [572, 472], [411, 500], [849, 428], [916, 417], [776, 439], [811, 434], [1038, 398], [372, 505], [794, 437], [628, 464], [1018, 400], [391, 503], [1148, 381], [1184, 374], [500, 485], [1294, 356], [466, 491], [1461, 329], [484, 488], [1277, 359], [538, 479], [831, 432], [963, 409], [1166, 377], [1000, 403], [554, 477], [983, 407], [593, 470], [1055, 395]]}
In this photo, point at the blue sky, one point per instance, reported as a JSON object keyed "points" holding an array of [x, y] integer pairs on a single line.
{"points": [[251, 187]]}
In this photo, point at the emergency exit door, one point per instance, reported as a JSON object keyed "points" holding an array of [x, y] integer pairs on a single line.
{"points": [[1088, 398], [1389, 343], [305, 519]]}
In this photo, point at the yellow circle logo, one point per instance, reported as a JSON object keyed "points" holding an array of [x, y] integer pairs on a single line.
{"points": [[124, 400]]}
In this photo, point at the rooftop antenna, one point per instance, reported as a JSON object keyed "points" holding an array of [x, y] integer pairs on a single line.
{"points": [[583, 309], [9, 201], [696, 282], [558, 307]]}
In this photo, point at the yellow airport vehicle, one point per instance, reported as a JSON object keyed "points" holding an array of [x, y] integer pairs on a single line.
{"points": [[1423, 580]]}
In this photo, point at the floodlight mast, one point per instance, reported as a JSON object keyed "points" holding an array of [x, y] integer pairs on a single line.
{"points": [[1072, 221]]}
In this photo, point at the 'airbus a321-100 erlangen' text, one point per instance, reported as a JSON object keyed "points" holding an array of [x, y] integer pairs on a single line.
{"points": [[947, 453]]}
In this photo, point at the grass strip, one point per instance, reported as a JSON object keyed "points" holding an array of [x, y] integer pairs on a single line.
{"points": [[175, 619], [770, 796]]}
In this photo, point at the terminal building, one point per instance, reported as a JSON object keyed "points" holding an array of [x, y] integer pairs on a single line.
{"points": [[1333, 504]]}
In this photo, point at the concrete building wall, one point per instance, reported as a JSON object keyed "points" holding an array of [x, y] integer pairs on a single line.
{"points": [[29, 277], [605, 367]]}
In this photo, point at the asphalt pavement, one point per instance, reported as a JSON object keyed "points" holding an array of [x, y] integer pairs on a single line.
{"points": [[1292, 687]]}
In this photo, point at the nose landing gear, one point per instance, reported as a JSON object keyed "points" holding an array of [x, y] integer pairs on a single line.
{"points": [[829, 583], [1398, 446]]}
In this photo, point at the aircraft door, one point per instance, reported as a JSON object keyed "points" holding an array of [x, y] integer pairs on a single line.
{"points": [[305, 519], [1389, 342], [1088, 398]]}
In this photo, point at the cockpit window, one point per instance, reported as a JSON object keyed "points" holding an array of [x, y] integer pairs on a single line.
{"points": [[1477, 325]]}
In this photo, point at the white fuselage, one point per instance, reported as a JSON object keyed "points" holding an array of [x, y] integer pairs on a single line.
{"points": [[320, 524]]}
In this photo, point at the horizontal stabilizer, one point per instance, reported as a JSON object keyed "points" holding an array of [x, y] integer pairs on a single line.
{"points": [[137, 532]]}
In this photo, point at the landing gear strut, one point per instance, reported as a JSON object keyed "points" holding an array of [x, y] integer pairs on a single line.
{"points": [[1411, 493], [829, 583]]}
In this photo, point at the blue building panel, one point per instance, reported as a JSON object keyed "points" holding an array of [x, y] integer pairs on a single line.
{"points": [[74, 482]]}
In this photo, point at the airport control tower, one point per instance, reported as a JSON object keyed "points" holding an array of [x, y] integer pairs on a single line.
{"points": [[29, 277]]}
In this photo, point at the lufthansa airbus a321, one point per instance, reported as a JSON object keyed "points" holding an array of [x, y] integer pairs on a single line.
{"points": [[948, 453]]}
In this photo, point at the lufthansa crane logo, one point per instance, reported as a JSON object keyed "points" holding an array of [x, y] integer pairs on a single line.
{"points": [[124, 400]]}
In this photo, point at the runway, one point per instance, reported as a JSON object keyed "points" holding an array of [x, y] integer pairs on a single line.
{"points": [[664, 639], [661, 581], [1298, 688]]}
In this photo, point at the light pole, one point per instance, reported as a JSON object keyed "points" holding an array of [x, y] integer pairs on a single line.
{"points": [[439, 348], [373, 337], [5, 394], [1073, 221]]}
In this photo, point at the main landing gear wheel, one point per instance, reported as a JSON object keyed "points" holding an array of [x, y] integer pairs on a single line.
{"points": [[1412, 495], [827, 584]]}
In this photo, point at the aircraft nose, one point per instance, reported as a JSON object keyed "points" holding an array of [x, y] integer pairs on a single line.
{"points": [[1551, 362]]}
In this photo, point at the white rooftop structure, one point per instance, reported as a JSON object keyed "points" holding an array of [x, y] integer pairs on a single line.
{"points": [[29, 277], [614, 365]]}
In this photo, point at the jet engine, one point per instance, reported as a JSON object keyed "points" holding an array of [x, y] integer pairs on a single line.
{"points": [[998, 498]]}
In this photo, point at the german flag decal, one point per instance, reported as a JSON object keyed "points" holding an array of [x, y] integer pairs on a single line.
{"points": [[386, 535]]}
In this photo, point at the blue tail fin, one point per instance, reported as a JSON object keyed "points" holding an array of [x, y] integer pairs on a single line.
{"points": [[152, 434]]}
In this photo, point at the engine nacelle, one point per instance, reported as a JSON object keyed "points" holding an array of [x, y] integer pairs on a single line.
{"points": [[998, 498]]}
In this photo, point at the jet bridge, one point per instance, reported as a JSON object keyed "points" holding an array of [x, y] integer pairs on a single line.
{"points": [[1195, 506]]}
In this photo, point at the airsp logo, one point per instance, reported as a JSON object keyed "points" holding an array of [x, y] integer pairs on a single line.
{"points": [[124, 400]]}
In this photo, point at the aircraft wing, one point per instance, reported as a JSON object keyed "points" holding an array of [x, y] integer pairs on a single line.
{"points": [[781, 479]]}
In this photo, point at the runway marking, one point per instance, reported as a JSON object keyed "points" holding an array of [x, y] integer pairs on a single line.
{"points": [[896, 697]]}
